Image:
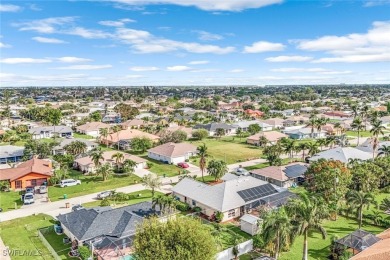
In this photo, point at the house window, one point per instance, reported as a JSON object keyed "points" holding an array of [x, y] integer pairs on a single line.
{"points": [[33, 182], [18, 184], [231, 213], [193, 203]]}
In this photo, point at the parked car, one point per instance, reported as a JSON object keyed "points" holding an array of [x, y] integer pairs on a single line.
{"points": [[69, 182], [104, 194], [242, 171], [30, 189], [43, 189], [183, 165], [28, 198]]}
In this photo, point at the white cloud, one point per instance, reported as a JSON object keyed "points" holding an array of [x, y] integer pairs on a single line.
{"points": [[85, 67], [48, 25], [372, 3], [145, 42], [314, 70], [236, 71], [134, 76], [3, 45], [144, 68], [373, 46], [207, 36], [87, 33], [119, 23], [48, 40], [72, 59], [198, 62], [289, 59], [23, 60], [263, 46], [178, 68], [214, 5], [10, 8]]}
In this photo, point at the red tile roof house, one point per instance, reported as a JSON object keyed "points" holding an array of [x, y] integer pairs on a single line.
{"points": [[282, 176], [254, 113], [271, 136], [124, 137], [33, 172], [92, 128], [86, 165], [172, 153], [135, 124]]}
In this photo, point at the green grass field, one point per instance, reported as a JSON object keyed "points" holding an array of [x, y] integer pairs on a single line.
{"points": [[161, 168], [136, 197], [82, 136], [318, 247], [8, 200], [266, 164], [91, 184], [57, 243], [22, 233], [229, 149], [355, 134]]}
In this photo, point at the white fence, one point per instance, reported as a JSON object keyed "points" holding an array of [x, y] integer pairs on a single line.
{"points": [[243, 248]]}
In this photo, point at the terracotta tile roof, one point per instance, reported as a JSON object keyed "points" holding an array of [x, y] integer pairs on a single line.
{"points": [[378, 251], [107, 157], [135, 122], [31, 166], [128, 135], [173, 149]]}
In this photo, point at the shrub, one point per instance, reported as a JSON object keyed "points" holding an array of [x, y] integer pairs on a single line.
{"points": [[197, 209], [149, 164], [182, 206], [85, 253], [105, 202], [218, 216]]}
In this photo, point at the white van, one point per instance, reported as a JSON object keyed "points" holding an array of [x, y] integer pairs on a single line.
{"points": [[69, 182]]}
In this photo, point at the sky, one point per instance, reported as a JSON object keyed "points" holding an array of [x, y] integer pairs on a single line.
{"points": [[194, 42]]}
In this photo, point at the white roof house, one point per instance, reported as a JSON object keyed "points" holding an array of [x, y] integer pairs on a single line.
{"points": [[343, 154]]}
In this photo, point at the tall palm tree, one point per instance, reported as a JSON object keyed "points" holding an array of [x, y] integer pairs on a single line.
{"points": [[365, 112], [119, 157], [330, 141], [312, 124], [104, 134], [116, 129], [129, 165], [384, 150], [359, 200], [277, 231], [321, 142], [303, 147], [288, 146], [313, 148], [263, 141], [357, 124], [377, 129], [152, 181], [307, 214], [105, 171], [97, 156], [203, 154], [338, 128]]}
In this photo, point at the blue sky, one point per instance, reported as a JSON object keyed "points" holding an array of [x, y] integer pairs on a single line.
{"points": [[220, 42]]}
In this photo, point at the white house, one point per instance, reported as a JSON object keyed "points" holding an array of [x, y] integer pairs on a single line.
{"points": [[173, 153], [244, 125], [59, 149], [92, 128], [49, 131]]}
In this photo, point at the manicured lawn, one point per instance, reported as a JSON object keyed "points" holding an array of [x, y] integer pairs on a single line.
{"points": [[161, 168], [355, 134], [22, 233], [319, 248], [136, 197], [250, 256], [207, 178], [230, 149], [91, 184], [237, 230], [8, 200], [266, 164], [82, 136], [57, 243]]}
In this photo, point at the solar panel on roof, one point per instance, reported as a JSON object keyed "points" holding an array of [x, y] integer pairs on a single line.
{"points": [[294, 171], [257, 192]]}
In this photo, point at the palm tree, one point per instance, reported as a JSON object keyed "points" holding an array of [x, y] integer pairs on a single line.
{"points": [[272, 154], [330, 141], [116, 129], [365, 112], [288, 146], [307, 214], [359, 200], [263, 141], [105, 171], [338, 126], [384, 150], [321, 142], [54, 118], [152, 181], [277, 231], [239, 132], [129, 165], [312, 124], [313, 148], [202, 153], [104, 134], [303, 147], [217, 169], [355, 110], [320, 123], [357, 124], [377, 129], [119, 157], [219, 132], [96, 156]]}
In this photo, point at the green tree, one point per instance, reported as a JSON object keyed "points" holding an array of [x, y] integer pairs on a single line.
{"points": [[6, 101], [273, 153], [307, 214], [384, 150], [366, 176], [313, 148], [219, 132], [75, 148], [152, 182], [277, 231], [377, 129], [217, 169], [254, 128], [288, 146], [141, 144], [359, 200], [203, 154], [97, 157], [118, 157], [200, 134], [96, 116], [105, 171], [176, 239], [103, 132], [54, 118], [129, 165], [357, 124], [126, 111]]}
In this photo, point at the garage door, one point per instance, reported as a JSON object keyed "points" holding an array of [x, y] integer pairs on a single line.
{"points": [[35, 182]]}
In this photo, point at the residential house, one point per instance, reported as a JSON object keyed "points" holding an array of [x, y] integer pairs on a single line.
{"points": [[135, 124], [212, 128], [92, 128], [343, 154], [187, 130], [377, 249], [59, 149], [295, 120], [284, 176], [367, 146], [10, 154], [276, 123], [271, 136], [112, 118], [50, 131], [124, 137], [305, 133], [33, 172], [338, 114], [110, 231], [86, 164], [254, 113], [244, 125], [234, 198], [172, 153]]}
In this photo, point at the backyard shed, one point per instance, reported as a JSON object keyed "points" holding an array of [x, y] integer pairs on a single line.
{"points": [[250, 224]]}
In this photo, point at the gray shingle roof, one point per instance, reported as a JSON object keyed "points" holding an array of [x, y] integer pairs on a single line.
{"points": [[214, 126], [86, 224], [10, 151], [58, 129], [342, 154]]}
